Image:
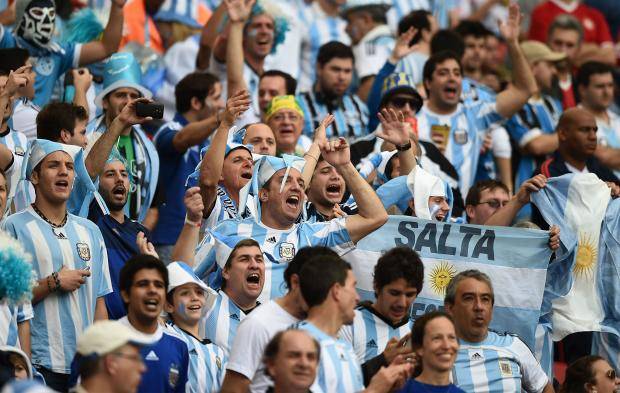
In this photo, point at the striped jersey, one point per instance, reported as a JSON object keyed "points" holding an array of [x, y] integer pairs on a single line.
{"points": [[609, 132], [372, 51], [318, 29], [400, 8], [207, 363], [466, 127], [62, 316], [278, 247], [500, 363], [339, 371], [10, 317], [370, 332], [24, 118], [250, 76], [17, 143], [413, 64], [222, 321], [166, 361], [350, 114], [224, 208], [253, 334], [537, 117]]}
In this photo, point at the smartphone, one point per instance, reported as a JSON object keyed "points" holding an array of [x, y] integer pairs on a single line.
{"points": [[153, 109]]}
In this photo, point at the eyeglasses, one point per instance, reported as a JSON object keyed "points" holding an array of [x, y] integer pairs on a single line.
{"points": [[611, 374], [135, 358], [281, 117], [400, 102], [494, 203]]}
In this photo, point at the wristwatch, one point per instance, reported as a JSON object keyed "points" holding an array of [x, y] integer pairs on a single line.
{"points": [[404, 147]]}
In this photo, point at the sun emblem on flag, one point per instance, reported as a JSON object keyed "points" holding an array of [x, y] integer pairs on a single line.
{"points": [[587, 255], [440, 276]]}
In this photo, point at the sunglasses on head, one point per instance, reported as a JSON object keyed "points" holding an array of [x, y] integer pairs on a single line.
{"points": [[400, 102]]}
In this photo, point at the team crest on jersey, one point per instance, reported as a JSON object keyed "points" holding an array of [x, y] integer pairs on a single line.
{"points": [[460, 136], [173, 375], [83, 251], [19, 151], [44, 66], [505, 368], [287, 251]]}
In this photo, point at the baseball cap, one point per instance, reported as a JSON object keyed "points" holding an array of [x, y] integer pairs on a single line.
{"points": [[400, 82], [103, 337], [535, 51]]}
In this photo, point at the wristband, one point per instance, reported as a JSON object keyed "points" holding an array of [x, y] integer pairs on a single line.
{"points": [[192, 223], [404, 147], [56, 280], [49, 287]]}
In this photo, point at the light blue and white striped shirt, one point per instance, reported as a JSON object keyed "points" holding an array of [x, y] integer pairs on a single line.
{"points": [[222, 321], [17, 143], [207, 363], [609, 132], [62, 316], [413, 65], [339, 371], [350, 115], [468, 125], [370, 332], [500, 363], [278, 247], [10, 316], [319, 28]]}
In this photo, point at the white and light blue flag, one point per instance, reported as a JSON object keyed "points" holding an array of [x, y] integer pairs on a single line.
{"points": [[515, 259]]}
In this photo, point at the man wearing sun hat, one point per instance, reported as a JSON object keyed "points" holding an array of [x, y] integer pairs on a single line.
{"points": [[108, 358], [279, 193], [121, 84], [70, 260], [286, 118]]}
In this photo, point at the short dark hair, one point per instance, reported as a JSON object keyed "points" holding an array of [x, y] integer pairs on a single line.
{"points": [[137, 263], [377, 13], [448, 40], [289, 81], [88, 366], [579, 373], [273, 346], [11, 59], [196, 84], [590, 68], [438, 58], [565, 22], [58, 116], [319, 275], [334, 49], [417, 19], [240, 244], [473, 195], [469, 27], [399, 262], [419, 326], [301, 257]]}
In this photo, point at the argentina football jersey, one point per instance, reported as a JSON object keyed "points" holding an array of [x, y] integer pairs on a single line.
{"points": [[17, 143], [10, 317], [222, 321]]}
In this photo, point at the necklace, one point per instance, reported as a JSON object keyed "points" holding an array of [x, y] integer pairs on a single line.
{"points": [[40, 213]]}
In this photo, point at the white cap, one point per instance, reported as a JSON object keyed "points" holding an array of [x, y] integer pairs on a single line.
{"points": [[180, 273], [104, 337]]}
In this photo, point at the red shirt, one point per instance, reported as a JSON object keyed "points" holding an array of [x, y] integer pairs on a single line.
{"points": [[595, 28]]}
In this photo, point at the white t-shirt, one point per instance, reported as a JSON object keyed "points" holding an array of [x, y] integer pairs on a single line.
{"points": [[253, 334]]}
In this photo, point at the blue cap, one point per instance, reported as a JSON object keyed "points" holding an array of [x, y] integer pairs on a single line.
{"points": [[400, 82], [121, 70]]}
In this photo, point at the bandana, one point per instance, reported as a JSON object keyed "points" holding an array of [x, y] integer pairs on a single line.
{"points": [[283, 102]]}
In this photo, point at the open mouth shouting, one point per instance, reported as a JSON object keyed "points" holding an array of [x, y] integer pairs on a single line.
{"points": [[293, 202], [62, 185], [334, 191], [253, 281], [152, 305], [451, 91]]}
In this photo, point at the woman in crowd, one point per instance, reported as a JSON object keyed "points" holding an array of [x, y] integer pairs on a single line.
{"points": [[590, 374], [434, 341]]}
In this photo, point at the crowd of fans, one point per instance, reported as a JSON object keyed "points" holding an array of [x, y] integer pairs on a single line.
{"points": [[184, 178]]}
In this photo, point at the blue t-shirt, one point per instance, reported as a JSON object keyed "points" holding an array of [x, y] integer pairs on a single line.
{"points": [[49, 64], [120, 241], [414, 386], [175, 169]]}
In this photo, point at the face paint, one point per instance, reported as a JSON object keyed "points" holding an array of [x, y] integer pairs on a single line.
{"points": [[37, 24]]}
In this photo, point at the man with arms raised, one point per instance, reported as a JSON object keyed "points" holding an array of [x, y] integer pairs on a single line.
{"points": [[506, 363]]}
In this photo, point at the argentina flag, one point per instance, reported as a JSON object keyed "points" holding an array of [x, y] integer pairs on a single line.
{"points": [[515, 259], [582, 206]]}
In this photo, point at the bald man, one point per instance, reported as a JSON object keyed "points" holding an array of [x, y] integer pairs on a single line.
{"points": [[577, 136]]}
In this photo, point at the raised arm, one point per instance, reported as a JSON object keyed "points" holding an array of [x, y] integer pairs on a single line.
{"points": [[195, 133], [16, 80], [213, 160], [82, 80], [189, 236], [98, 50], [511, 100], [371, 213], [312, 155], [98, 155], [395, 130], [208, 36], [238, 14]]}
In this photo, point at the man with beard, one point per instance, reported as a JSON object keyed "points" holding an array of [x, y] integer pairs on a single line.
{"points": [[278, 188], [119, 231], [334, 74], [34, 31], [243, 277]]}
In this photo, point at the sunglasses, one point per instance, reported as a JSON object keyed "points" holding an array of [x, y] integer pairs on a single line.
{"points": [[400, 102], [611, 374], [494, 203]]}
